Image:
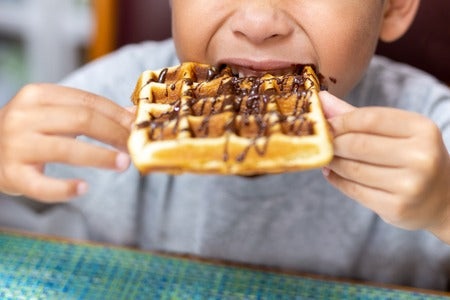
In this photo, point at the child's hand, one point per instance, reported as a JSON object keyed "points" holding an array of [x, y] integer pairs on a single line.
{"points": [[40, 125], [393, 162]]}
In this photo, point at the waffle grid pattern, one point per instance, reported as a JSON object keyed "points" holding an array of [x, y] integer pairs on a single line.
{"points": [[45, 269], [182, 103], [201, 119]]}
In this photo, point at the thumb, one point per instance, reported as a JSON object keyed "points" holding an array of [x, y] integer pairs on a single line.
{"points": [[333, 106]]}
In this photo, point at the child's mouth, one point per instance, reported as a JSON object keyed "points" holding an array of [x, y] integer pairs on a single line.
{"points": [[248, 68], [248, 72]]}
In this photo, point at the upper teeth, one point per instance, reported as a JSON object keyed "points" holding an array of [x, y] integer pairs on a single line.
{"points": [[234, 70]]}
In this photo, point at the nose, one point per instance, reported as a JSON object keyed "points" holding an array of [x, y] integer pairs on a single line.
{"points": [[260, 21]]}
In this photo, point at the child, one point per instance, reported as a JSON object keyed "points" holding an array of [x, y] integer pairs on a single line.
{"points": [[392, 159]]}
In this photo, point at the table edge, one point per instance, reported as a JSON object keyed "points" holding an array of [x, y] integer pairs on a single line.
{"points": [[219, 262]]}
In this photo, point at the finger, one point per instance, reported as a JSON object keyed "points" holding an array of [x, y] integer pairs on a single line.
{"points": [[373, 149], [131, 109], [74, 152], [333, 106], [374, 199], [46, 189], [372, 176], [10, 193], [80, 120], [377, 120], [50, 94]]}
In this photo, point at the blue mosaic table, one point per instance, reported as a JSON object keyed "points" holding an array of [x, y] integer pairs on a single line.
{"points": [[41, 268]]}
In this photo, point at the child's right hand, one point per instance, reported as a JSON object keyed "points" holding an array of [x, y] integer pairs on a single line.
{"points": [[40, 125]]}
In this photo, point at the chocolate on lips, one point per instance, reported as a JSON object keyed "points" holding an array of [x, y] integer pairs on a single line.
{"points": [[196, 106]]}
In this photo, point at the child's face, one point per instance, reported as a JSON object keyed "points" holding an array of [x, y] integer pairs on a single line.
{"points": [[337, 36]]}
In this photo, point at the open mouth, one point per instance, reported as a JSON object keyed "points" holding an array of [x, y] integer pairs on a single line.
{"points": [[247, 68], [248, 71]]}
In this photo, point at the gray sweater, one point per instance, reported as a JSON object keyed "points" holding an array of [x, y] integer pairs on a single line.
{"points": [[295, 220]]}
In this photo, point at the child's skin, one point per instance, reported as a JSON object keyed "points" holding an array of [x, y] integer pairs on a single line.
{"points": [[392, 161]]}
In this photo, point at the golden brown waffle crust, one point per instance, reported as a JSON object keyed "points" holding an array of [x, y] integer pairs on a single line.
{"points": [[283, 153]]}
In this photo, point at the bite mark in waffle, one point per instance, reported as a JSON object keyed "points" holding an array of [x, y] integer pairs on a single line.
{"points": [[200, 119]]}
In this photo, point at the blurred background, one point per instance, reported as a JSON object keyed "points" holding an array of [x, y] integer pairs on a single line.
{"points": [[44, 40]]}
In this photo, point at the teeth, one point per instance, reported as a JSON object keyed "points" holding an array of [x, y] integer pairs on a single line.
{"points": [[237, 72], [244, 72]]}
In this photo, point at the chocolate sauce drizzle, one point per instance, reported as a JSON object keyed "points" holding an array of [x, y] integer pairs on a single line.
{"points": [[247, 102]]}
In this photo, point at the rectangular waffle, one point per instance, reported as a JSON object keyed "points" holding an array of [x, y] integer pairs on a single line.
{"points": [[200, 119]]}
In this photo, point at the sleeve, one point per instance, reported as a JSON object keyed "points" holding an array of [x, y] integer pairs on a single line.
{"points": [[114, 76]]}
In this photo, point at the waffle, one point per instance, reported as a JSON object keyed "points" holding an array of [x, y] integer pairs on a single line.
{"points": [[201, 119]]}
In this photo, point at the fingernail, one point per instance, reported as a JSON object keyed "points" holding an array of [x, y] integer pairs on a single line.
{"points": [[325, 171], [122, 161], [82, 188], [131, 109]]}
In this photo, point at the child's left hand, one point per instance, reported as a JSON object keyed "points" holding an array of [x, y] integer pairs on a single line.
{"points": [[393, 162]]}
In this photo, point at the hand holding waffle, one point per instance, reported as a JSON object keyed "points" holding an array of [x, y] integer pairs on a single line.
{"points": [[39, 125], [393, 162], [197, 118]]}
